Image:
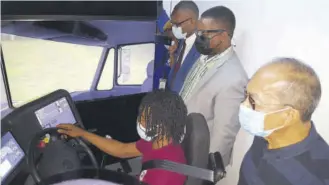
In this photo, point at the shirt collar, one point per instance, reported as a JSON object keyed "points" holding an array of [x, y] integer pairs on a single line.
{"points": [[292, 150], [226, 53], [190, 40]]}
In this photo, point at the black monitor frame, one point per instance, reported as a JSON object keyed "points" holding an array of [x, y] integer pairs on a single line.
{"points": [[80, 10], [20, 165]]}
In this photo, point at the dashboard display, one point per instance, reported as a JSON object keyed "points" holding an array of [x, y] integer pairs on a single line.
{"points": [[55, 113], [11, 154]]}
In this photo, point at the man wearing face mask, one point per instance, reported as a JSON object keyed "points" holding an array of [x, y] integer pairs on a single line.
{"points": [[215, 85], [287, 150], [160, 124], [183, 19]]}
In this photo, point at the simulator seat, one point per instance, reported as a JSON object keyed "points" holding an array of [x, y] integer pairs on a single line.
{"points": [[196, 144], [202, 167]]}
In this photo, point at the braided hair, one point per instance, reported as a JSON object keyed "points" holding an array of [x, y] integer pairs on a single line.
{"points": [[165, 115]]}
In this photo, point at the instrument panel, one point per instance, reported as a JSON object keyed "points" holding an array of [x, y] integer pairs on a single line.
{"points": [[11, 155], [55, 113], [21, 125]]}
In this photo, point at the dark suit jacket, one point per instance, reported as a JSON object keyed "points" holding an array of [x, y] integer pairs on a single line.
{"points": [[188, 62]]}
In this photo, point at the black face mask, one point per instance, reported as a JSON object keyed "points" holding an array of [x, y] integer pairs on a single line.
{"points": [[202, 44]]}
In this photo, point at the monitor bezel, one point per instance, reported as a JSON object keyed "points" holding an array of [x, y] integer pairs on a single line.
{"points": [[14, 171], [66, 99]]}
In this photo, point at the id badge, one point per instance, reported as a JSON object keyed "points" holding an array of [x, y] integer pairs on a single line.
{"points": [[162, 83]]}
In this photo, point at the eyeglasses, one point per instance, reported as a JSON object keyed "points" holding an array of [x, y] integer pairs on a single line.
{"points": [[252, 102], [180, 23], [203, 32]]}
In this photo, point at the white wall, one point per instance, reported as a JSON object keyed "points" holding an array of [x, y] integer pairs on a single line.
{"points": [[273, 28]]}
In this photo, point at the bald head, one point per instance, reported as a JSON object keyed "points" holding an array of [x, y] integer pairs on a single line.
{"points": [[289, 82]]}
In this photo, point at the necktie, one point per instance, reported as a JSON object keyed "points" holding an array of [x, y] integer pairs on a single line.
{"points": [[178, 63], [180, 59]]}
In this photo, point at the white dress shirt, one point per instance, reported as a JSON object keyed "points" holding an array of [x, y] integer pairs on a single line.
{"points": [[189, 44]]}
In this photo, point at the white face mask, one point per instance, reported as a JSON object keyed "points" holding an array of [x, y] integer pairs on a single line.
{"points": [[253, 121], [178, 32], [172, 43], [142, 132]]}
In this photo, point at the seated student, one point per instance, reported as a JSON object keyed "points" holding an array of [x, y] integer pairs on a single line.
{"points": [[287, 149], [160, 124]]}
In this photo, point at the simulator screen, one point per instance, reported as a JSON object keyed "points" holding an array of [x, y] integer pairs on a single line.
{"points": [[55, 113], [11, 154]]}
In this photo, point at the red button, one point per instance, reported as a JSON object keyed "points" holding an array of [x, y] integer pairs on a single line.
{"points": [[42, 144]]}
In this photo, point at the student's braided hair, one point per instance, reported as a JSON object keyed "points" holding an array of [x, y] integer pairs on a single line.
{"points": [[165, 115]]}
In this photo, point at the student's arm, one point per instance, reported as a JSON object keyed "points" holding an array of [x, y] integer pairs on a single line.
{"points": [[109, 146]]}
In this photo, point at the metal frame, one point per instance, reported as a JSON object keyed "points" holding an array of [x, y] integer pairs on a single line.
{"points": [[117, 63], [5, 81], [99, 69], [24, 10], [73, 17]]}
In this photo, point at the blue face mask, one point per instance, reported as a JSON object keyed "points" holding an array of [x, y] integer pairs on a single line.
{"points": [[253, 121]]}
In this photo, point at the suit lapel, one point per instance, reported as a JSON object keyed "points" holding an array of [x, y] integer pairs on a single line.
{"points": [[188, 62], [176, 54], [211, 72]]}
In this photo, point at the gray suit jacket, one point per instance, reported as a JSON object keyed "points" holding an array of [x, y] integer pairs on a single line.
{"points": [[218, 96]]}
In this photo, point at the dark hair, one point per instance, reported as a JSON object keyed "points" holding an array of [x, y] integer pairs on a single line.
{"points": [[165, 114], [187, 5], [221, 14]]}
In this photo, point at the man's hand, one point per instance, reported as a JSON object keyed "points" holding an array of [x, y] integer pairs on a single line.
{"points": [[173, 47], [172, 50], [70, 130]]}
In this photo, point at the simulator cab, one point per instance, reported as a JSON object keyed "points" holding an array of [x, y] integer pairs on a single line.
{"points": [[33, 152], [99, 55]]}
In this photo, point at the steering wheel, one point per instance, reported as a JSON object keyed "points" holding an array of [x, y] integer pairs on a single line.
{"points": [[54, 134]]}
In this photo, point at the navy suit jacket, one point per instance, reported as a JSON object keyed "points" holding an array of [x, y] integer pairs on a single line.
{"points": [[188, 62]]}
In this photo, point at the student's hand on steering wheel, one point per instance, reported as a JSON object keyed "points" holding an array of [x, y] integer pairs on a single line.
{"points": [[70, 130]]}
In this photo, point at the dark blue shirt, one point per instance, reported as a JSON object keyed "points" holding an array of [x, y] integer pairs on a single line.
{"points": [[304, 163]]}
